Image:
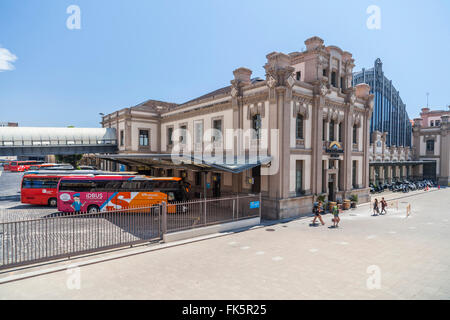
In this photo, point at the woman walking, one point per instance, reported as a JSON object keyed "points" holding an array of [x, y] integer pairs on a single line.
{"points": [[316, 210], [376, 209]]}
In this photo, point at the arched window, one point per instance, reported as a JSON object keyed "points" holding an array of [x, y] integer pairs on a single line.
{"points": [[256, 126], [299, 127]]}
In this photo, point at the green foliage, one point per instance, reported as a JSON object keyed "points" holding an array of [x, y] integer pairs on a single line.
{"points": [[321, 198], [354, 198], [73, 159]]}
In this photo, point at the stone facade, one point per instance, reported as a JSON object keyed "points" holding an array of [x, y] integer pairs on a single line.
{"points": [[431, 141], [306, 96], [390, 164]]}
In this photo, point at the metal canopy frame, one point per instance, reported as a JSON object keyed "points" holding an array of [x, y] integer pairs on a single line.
{"points": [[191, 162]]}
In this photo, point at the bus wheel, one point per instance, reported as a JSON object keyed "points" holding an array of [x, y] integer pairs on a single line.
{"points": [[52, 202], [93, 209]]}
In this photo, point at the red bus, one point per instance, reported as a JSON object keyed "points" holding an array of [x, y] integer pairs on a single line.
{"points": [[104, 193], [20, 166], [6, 165], [39, 189], [44, 166]]}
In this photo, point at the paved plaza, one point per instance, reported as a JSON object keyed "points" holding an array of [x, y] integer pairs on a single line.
{"points": [[367, 257]]}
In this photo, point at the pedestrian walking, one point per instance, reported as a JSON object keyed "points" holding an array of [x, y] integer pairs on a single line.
{"points": [[383, 206], [376, 209], [336, 218], [317, 209]]}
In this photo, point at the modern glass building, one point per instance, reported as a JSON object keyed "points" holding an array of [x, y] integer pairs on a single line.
{"points": [[389, 112]]}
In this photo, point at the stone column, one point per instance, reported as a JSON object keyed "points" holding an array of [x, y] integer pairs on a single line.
{"points": [[278, 72], [444, 163]]}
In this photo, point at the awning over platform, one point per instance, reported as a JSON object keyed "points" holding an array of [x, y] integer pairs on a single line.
{"points": [[223, 163]]}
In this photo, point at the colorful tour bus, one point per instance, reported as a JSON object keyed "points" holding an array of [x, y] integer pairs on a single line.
{"points": [[40, 187], [106, 193]]}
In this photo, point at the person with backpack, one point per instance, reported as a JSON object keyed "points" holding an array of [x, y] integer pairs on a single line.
{"points": [[336, 219], [317, 208]]}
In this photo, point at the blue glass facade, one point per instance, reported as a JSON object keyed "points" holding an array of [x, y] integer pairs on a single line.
{"points": [[389, 114]]}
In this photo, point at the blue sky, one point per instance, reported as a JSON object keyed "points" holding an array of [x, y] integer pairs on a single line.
{"points": [[129, 51]]}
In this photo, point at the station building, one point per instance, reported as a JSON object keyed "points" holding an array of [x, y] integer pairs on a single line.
{"points": [[320, 146], [431, 141]]}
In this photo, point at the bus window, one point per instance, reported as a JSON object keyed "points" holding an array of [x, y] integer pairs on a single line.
{"points": [[75, 185]]}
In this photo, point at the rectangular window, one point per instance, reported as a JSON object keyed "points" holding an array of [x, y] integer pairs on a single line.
{"points": [[324, 128], [342, 83], [333, 78], [298, 177], [430, 145], [354, 168], [298, 75], [217, 133], [198, 132], [431, 123], [256, 126], [340, 132], [143, 138], [121, 138], [331, 131], [299, 127], [198, 178], [355, 133], [183, 134], [169, 136]]}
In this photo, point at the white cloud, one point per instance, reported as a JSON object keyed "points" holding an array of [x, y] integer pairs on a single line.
{"points": [[6, 60]]}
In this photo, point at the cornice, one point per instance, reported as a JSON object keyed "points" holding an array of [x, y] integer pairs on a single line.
{"points": [[221, 106]]}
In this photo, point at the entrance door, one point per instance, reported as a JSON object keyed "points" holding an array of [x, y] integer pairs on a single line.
{"points": [[429, 170], [256, 174], [330, 188], [216, 184]]}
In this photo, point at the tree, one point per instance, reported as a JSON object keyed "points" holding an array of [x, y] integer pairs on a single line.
{"points": [[73, 159]]}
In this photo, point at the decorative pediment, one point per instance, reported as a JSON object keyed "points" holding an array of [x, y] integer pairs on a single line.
{"points": [[255, 109], [356, 120], [333, 114], [300, 108], [429, 137]]}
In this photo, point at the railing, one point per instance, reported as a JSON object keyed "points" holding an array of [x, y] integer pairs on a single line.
{"points": [[66, 235], [63, 235], [198, 213]]}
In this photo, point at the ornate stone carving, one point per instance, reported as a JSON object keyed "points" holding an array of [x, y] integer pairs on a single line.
{"points": [[301, 108], [271, 82], [255, 109]]}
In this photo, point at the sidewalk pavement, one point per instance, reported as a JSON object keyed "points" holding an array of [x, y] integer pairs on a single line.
{"points": [[383, 257]]}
